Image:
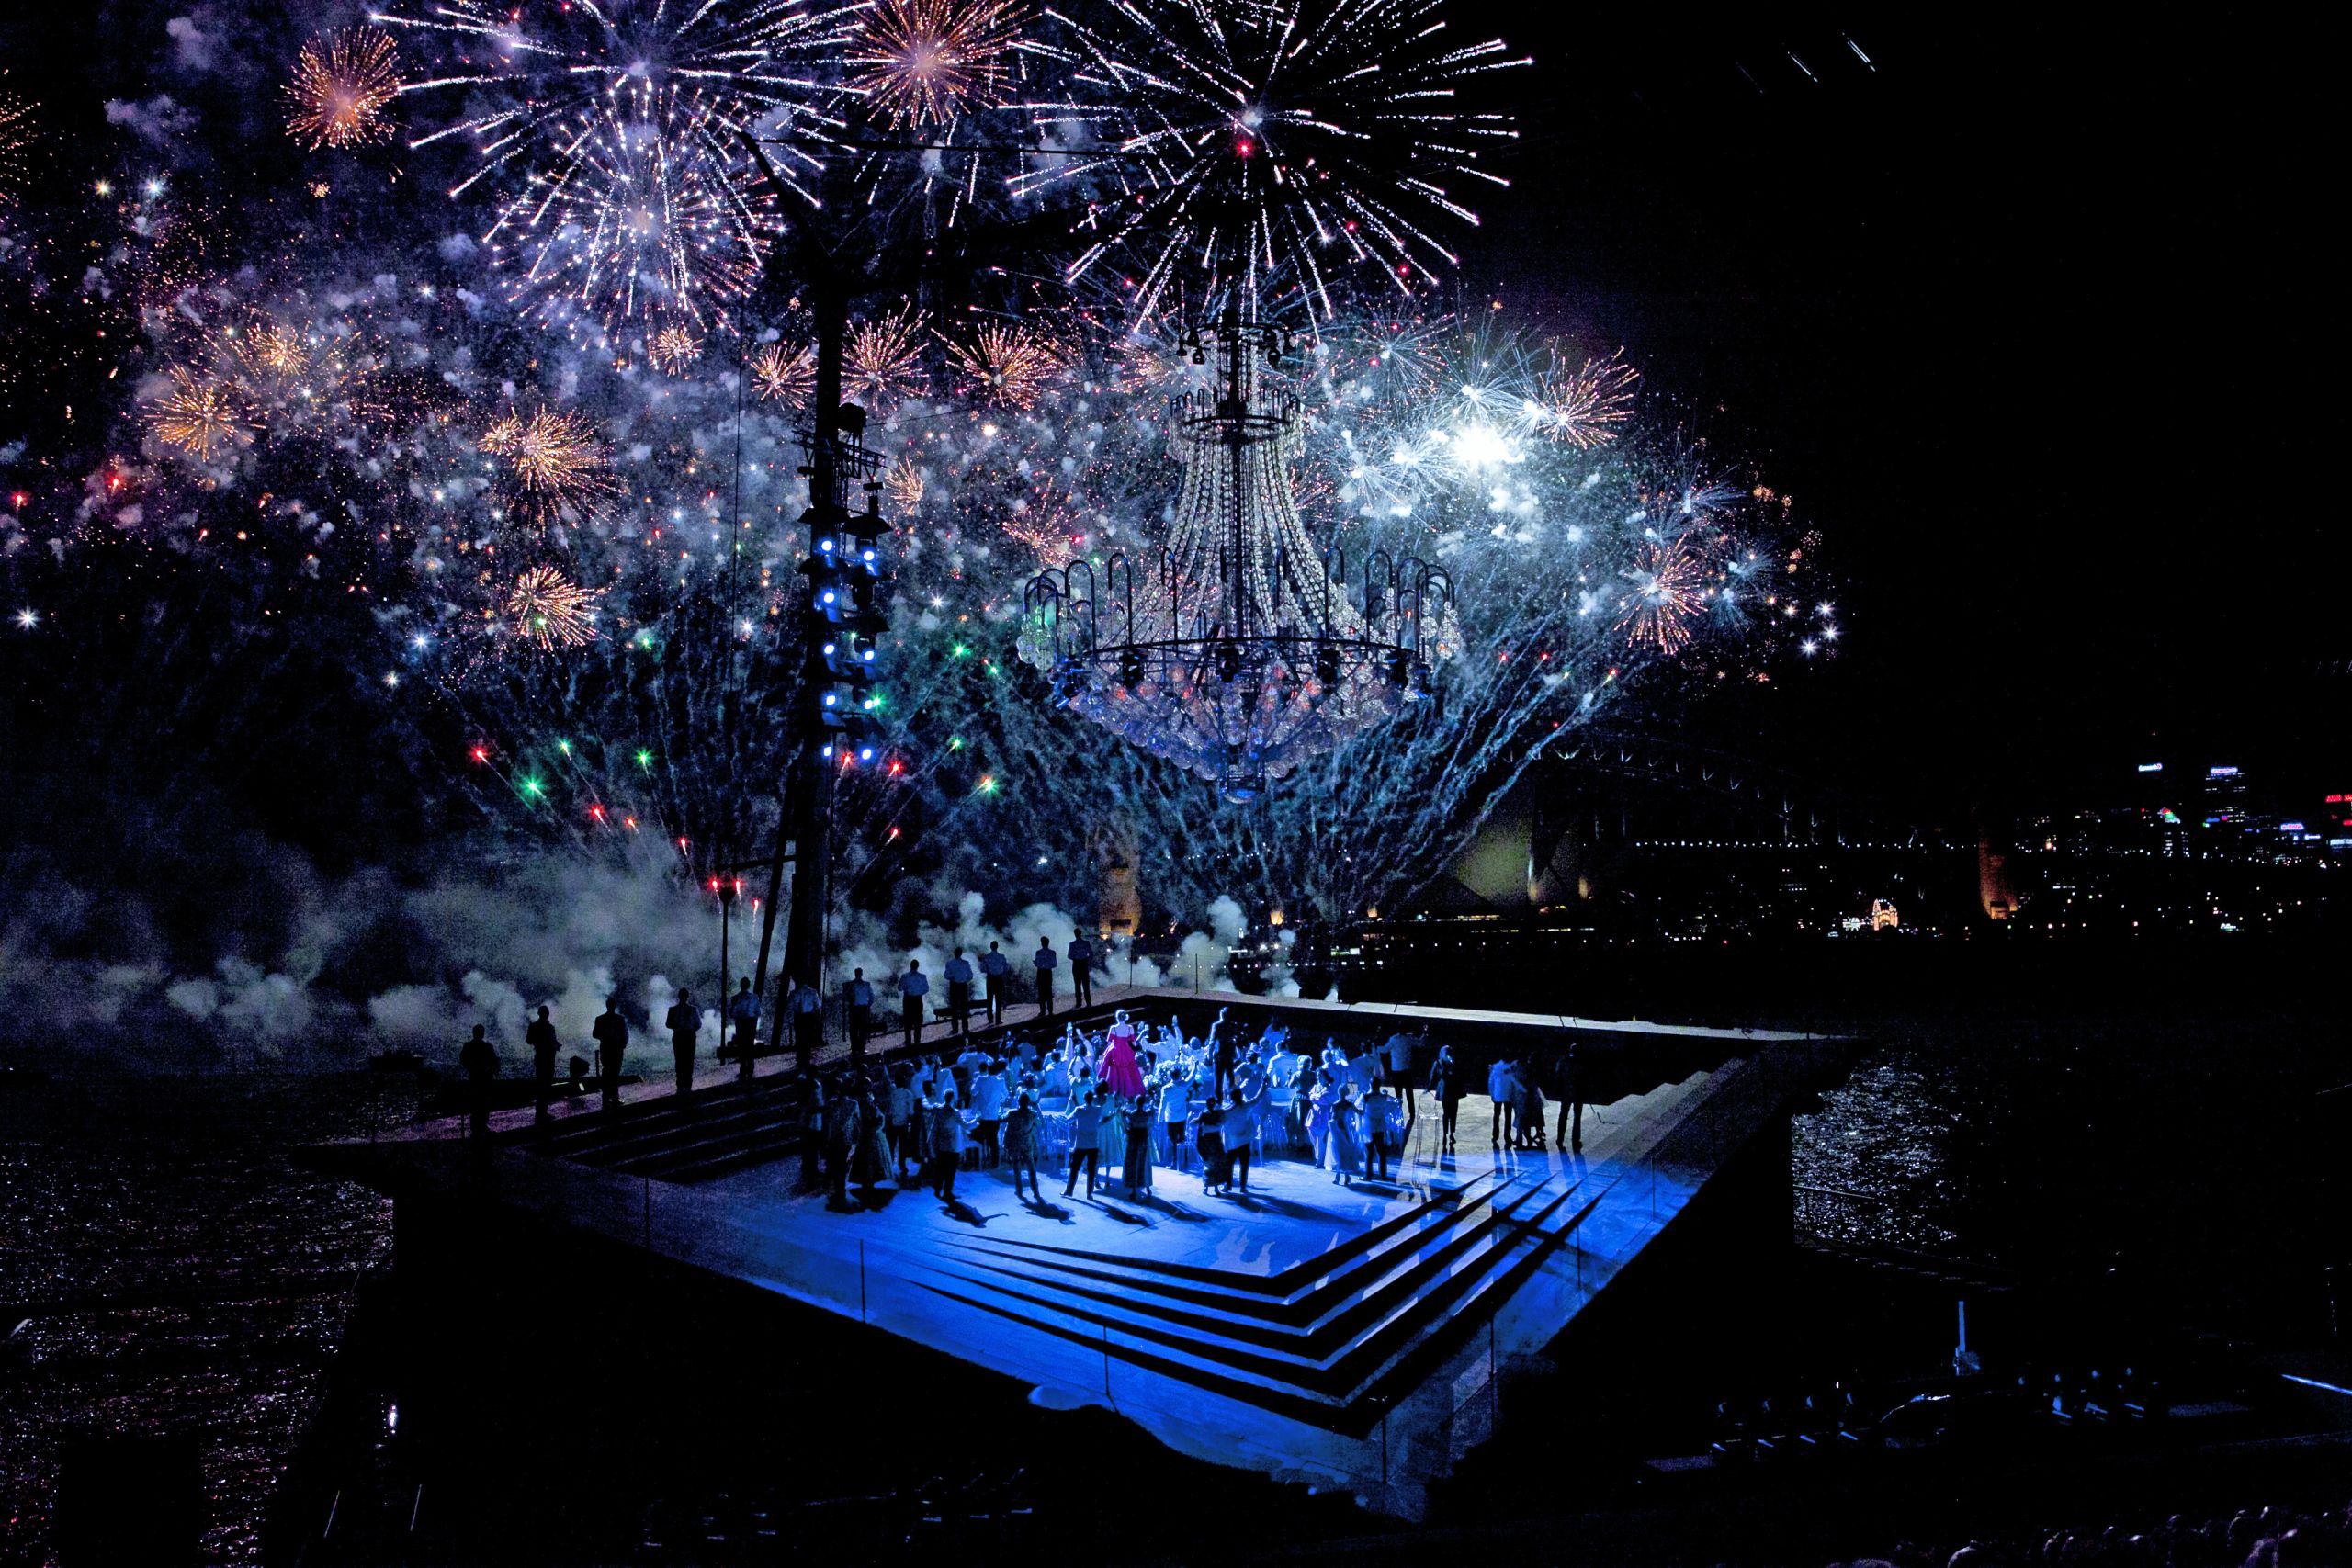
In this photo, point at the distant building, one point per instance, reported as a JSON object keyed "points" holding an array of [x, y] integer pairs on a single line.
{"points": [[1995, 891], [1121, 904], [2224, 794]]}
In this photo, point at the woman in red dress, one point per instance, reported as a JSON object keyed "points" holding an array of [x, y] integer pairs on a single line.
{"points": [[1118, 1069]]}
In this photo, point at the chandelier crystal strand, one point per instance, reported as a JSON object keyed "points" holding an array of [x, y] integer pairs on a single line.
{"points": [[1238, 649]]}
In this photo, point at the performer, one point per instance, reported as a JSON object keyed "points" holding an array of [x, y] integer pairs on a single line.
{"points": [[1118, 1067], [1139, 1149], [857, 1007], [997, 969], [611, 1030], [1446, 1087], [1045, 961], [959, 994], [540, 1037], [1176, 1110], [1021, 1143], [743, 1015], [684, 1022], [1346, 1142]]}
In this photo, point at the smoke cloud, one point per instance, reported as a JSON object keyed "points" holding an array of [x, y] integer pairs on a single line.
{"points": [[367, 963]]}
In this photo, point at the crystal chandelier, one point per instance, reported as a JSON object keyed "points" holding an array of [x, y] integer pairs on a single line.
{"points": [[1238, 649]]}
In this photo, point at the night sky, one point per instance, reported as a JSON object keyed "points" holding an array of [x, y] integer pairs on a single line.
{"points": [[2019, 311]]}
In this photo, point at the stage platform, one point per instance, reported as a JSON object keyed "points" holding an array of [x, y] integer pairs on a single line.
{"points": [[1343, 1336]]}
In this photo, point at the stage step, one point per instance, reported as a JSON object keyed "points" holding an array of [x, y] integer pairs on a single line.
{"points": [[1366, 1320]]}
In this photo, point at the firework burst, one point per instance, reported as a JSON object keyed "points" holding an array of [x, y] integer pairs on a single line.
{"points": [[275, 349], [639, 216], [902, 488], [200, 415], [343, 83], [1666, 589], [1584, 407], [556, 463], [673, 349], [17, 134], [1298, 135], [929, 61], [1007, 366], [782, 375], [532, 73], [882, 363], [550, 610]]}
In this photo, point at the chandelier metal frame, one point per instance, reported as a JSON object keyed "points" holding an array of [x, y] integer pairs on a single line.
{"points": [[1238, 649]]}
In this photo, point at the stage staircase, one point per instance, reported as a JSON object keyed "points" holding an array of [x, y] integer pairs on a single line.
{"points": [[1332, 1341]]}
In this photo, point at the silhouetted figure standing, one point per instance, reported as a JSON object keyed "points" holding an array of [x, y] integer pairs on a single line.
{"points": [[1044, 960], [1446, 1087], [611, 1030], [540, 1037], [1502, 1093], [684, 1023], [1571, 1136], [913, 987], [808, 1023], [998, 971], [1020, 1142], [478, 1057], [857, 1012], [1226, 1052], [946, 1147], [1379, 1109], [959, 994], [812, 1111], [1081, 971], [743, 1014], [1085, 1142], [843, 1124]]}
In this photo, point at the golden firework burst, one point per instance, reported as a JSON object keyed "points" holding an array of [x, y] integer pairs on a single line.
{"points": [[1007, 365], [783, 375], [882, 362], [549, 609], [17, 135], [556, 463], [1667, 587], [673, 350], [199, 415], [1583, 407], [902, 488], [929, 61], [274, 348], [342, 83]]}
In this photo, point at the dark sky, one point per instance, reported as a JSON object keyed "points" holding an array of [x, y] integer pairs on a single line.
{"points": [[2019, 312]]}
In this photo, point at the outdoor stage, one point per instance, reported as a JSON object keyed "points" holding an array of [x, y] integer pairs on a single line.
{"points": [[1347, 1338]]}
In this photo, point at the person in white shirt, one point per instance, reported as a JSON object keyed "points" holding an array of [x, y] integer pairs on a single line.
{"points": [[959, 994], [1175, 1110], [913, 987], [996, 969], [987, 1105], [1502, 1089]]}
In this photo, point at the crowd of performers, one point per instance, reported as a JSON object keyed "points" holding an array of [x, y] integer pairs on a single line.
{"points": [[1117, 1106]]}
